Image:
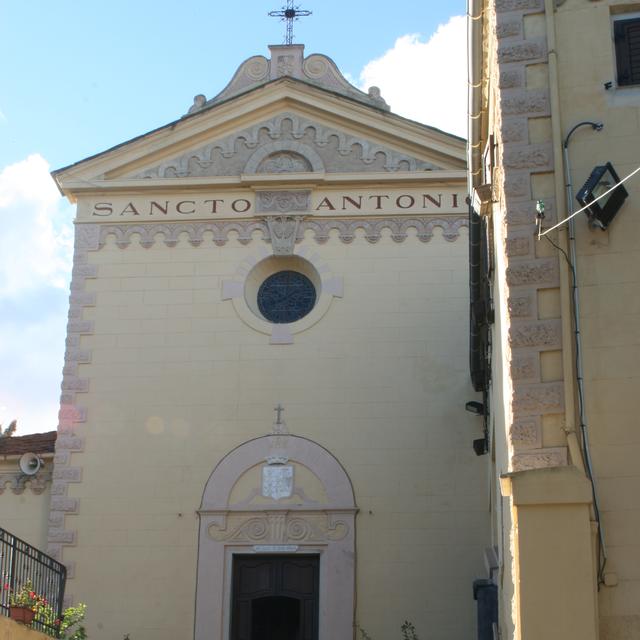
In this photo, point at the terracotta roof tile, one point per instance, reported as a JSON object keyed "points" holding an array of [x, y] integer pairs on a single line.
{"points": [[35, 443]]}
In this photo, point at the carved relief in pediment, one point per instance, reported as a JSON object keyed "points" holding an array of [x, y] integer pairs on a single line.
{"points": [[286, 143]]}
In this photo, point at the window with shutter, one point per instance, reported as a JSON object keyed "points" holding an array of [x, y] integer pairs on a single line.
{"points": [[627, 41]]}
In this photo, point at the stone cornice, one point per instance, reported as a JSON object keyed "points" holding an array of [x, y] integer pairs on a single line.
{"points": [[139, 185]]}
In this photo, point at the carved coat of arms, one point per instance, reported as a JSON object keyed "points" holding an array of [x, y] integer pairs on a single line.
{"points": [[277, 481]]}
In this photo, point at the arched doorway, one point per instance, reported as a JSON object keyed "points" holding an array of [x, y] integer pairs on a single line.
{"points": [[278, 512]]}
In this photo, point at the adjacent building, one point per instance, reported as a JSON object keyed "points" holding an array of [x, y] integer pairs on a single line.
{"points": [[554, 95]]}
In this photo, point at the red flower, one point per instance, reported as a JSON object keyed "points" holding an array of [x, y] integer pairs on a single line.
{"points": [[6, 585], [32, 594], [57, 622]]}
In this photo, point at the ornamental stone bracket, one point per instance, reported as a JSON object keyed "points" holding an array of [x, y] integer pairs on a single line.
{"points": [[284, 233]]}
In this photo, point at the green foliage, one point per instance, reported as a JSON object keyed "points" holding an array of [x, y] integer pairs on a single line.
{"points": [[407, 629], [10, 430], [70, 627]]}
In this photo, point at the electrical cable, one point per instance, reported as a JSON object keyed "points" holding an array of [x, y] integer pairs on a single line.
{"points": [[602, 556]]}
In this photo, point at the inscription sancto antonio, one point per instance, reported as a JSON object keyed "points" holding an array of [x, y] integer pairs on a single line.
{"points": [[234, 205]]}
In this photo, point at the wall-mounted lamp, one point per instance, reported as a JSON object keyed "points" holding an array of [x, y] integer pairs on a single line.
{"points": [[477, 408], [602, 212], [481, 446]]}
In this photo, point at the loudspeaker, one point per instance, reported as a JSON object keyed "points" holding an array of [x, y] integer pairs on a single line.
{"points": [[30, 464]]}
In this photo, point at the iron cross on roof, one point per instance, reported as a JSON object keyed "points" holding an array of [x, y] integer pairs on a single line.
{"points": [[288, 14], [279, 409]]}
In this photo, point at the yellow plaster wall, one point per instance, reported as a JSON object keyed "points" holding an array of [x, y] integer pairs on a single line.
{"points": [[609, 276], [25, 514], [177, 380]]}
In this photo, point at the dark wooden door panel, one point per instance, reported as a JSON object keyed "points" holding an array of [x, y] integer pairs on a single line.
{"points": [[256, 579], [299, 577], [275, 597]]}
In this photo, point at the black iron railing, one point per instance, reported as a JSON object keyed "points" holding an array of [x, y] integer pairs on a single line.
{"points": [[20, 563]]}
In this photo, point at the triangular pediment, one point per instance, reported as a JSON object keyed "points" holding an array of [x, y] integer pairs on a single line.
{"points": [[284, 127], [286, 143]]}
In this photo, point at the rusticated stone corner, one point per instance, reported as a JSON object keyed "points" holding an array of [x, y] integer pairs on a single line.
{"points": [[525, 212], [541, 334], [522, 304], [518, 246], [540, 459], [509, 28], [526, 367], [541, 272], [534, 157], [71, 414], [538, 399], [511, 78], [519, 5], [523, 51], [526, 433], [533, 102], [517, 185], [515, 129]]}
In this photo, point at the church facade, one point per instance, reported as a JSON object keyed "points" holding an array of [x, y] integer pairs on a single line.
{"points": [[262, 427]]}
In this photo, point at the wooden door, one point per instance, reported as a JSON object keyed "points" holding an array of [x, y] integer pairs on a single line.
{"points": [[275, 597]]}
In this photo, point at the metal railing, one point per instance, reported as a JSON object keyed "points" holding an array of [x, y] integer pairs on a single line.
{"points": [[19, 563]]}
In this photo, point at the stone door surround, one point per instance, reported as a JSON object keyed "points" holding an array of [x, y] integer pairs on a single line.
{"points": [[237, 518]]}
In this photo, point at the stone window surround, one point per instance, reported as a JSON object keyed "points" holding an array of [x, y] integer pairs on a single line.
{"points": [[237, 290], [337, 552]]}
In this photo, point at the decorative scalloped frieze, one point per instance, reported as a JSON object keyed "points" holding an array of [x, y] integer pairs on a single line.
{"points": [[218, 232], [338, 150], [18, 481]]}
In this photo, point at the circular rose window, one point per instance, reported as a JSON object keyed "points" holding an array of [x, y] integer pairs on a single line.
{"points": [[286, 296]]}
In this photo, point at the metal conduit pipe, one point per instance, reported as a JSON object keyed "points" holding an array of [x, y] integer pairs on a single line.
{"points": [[584, 431], [565, 277], [474, 69]]}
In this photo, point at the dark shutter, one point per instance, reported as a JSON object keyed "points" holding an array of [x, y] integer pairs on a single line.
{"points": [[627, 39]]}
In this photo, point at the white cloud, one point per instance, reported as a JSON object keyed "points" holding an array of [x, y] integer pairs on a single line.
{"points": [[36, 240], [35, 266], [425, 80]]}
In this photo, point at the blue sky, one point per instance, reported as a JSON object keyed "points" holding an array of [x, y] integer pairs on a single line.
{"points": [[80, 77]]}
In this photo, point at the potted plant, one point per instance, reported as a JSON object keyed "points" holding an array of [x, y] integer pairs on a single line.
{"points": [[25, 603]]}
